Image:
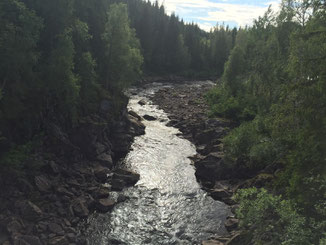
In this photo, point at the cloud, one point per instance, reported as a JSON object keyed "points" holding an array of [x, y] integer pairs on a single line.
{"points": [[206, 13]]}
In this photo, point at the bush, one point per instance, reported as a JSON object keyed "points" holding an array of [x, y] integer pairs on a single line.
{"points": [[251, 143], [270, 219]]}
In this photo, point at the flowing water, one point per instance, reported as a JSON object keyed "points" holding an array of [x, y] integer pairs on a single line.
{"points": [[167, 205]]}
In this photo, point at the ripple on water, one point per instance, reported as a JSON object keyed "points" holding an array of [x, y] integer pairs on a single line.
{"points": [[167, 205]]}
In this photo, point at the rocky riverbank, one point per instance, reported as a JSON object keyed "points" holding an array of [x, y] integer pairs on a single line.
{"points": [[45, 206], [188, 111]]}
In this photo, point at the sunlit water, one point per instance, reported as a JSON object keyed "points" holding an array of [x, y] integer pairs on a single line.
{"points": [[167, 205]]}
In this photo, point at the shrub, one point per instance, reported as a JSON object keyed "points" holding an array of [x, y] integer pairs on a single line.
{"points": [[270, 219]]}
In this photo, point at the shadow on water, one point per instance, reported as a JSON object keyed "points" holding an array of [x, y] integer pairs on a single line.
{"points": [[167, 205]]}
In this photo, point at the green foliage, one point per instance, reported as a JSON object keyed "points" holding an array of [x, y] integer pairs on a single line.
{"points": [[270, 219], [124, 59], [251, 144], [274, 85]]}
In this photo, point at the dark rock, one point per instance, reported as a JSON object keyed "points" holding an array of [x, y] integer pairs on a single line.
{"points": [[26, 240], [136, 126], [231, 224], [105, 159], [130, 178], [42, 183], [55, 228], [80, 208], [149, 118], [134, 114], [121, 144], [59, 240], [122, 198], [117, 184], [101, 173], [208, 135], [212, 168], [115, 242], [101, 192], [105, 205], [220, 194], [142, 102], [30, 211]]}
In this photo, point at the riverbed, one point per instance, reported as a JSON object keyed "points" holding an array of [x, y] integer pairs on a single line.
{"points": [[167, 205]]}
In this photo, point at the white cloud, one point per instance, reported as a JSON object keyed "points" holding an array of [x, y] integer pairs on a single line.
{"points": [[206, 12]]}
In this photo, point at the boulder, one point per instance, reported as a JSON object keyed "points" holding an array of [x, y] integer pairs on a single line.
{"points": [[121, 144], [220, 194], [208, 136], [101, 192], [56, 228], [211, 168], [135, 115], [105, 159], [117, 184], [136, 126], [231, 224], [130, 178], [101, 173], [105, 205], [80, 208], [30, 211], [149, 118], [142, 102], [42, 183]]}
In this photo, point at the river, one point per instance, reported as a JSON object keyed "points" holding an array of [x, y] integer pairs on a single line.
{"points": [[167, 205]]}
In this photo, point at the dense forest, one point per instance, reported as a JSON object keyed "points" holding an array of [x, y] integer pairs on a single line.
{"points": [[274, 86], [60, 59]]}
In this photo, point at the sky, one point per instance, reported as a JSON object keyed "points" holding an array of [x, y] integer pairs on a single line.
{"points": [[207, 13]]}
